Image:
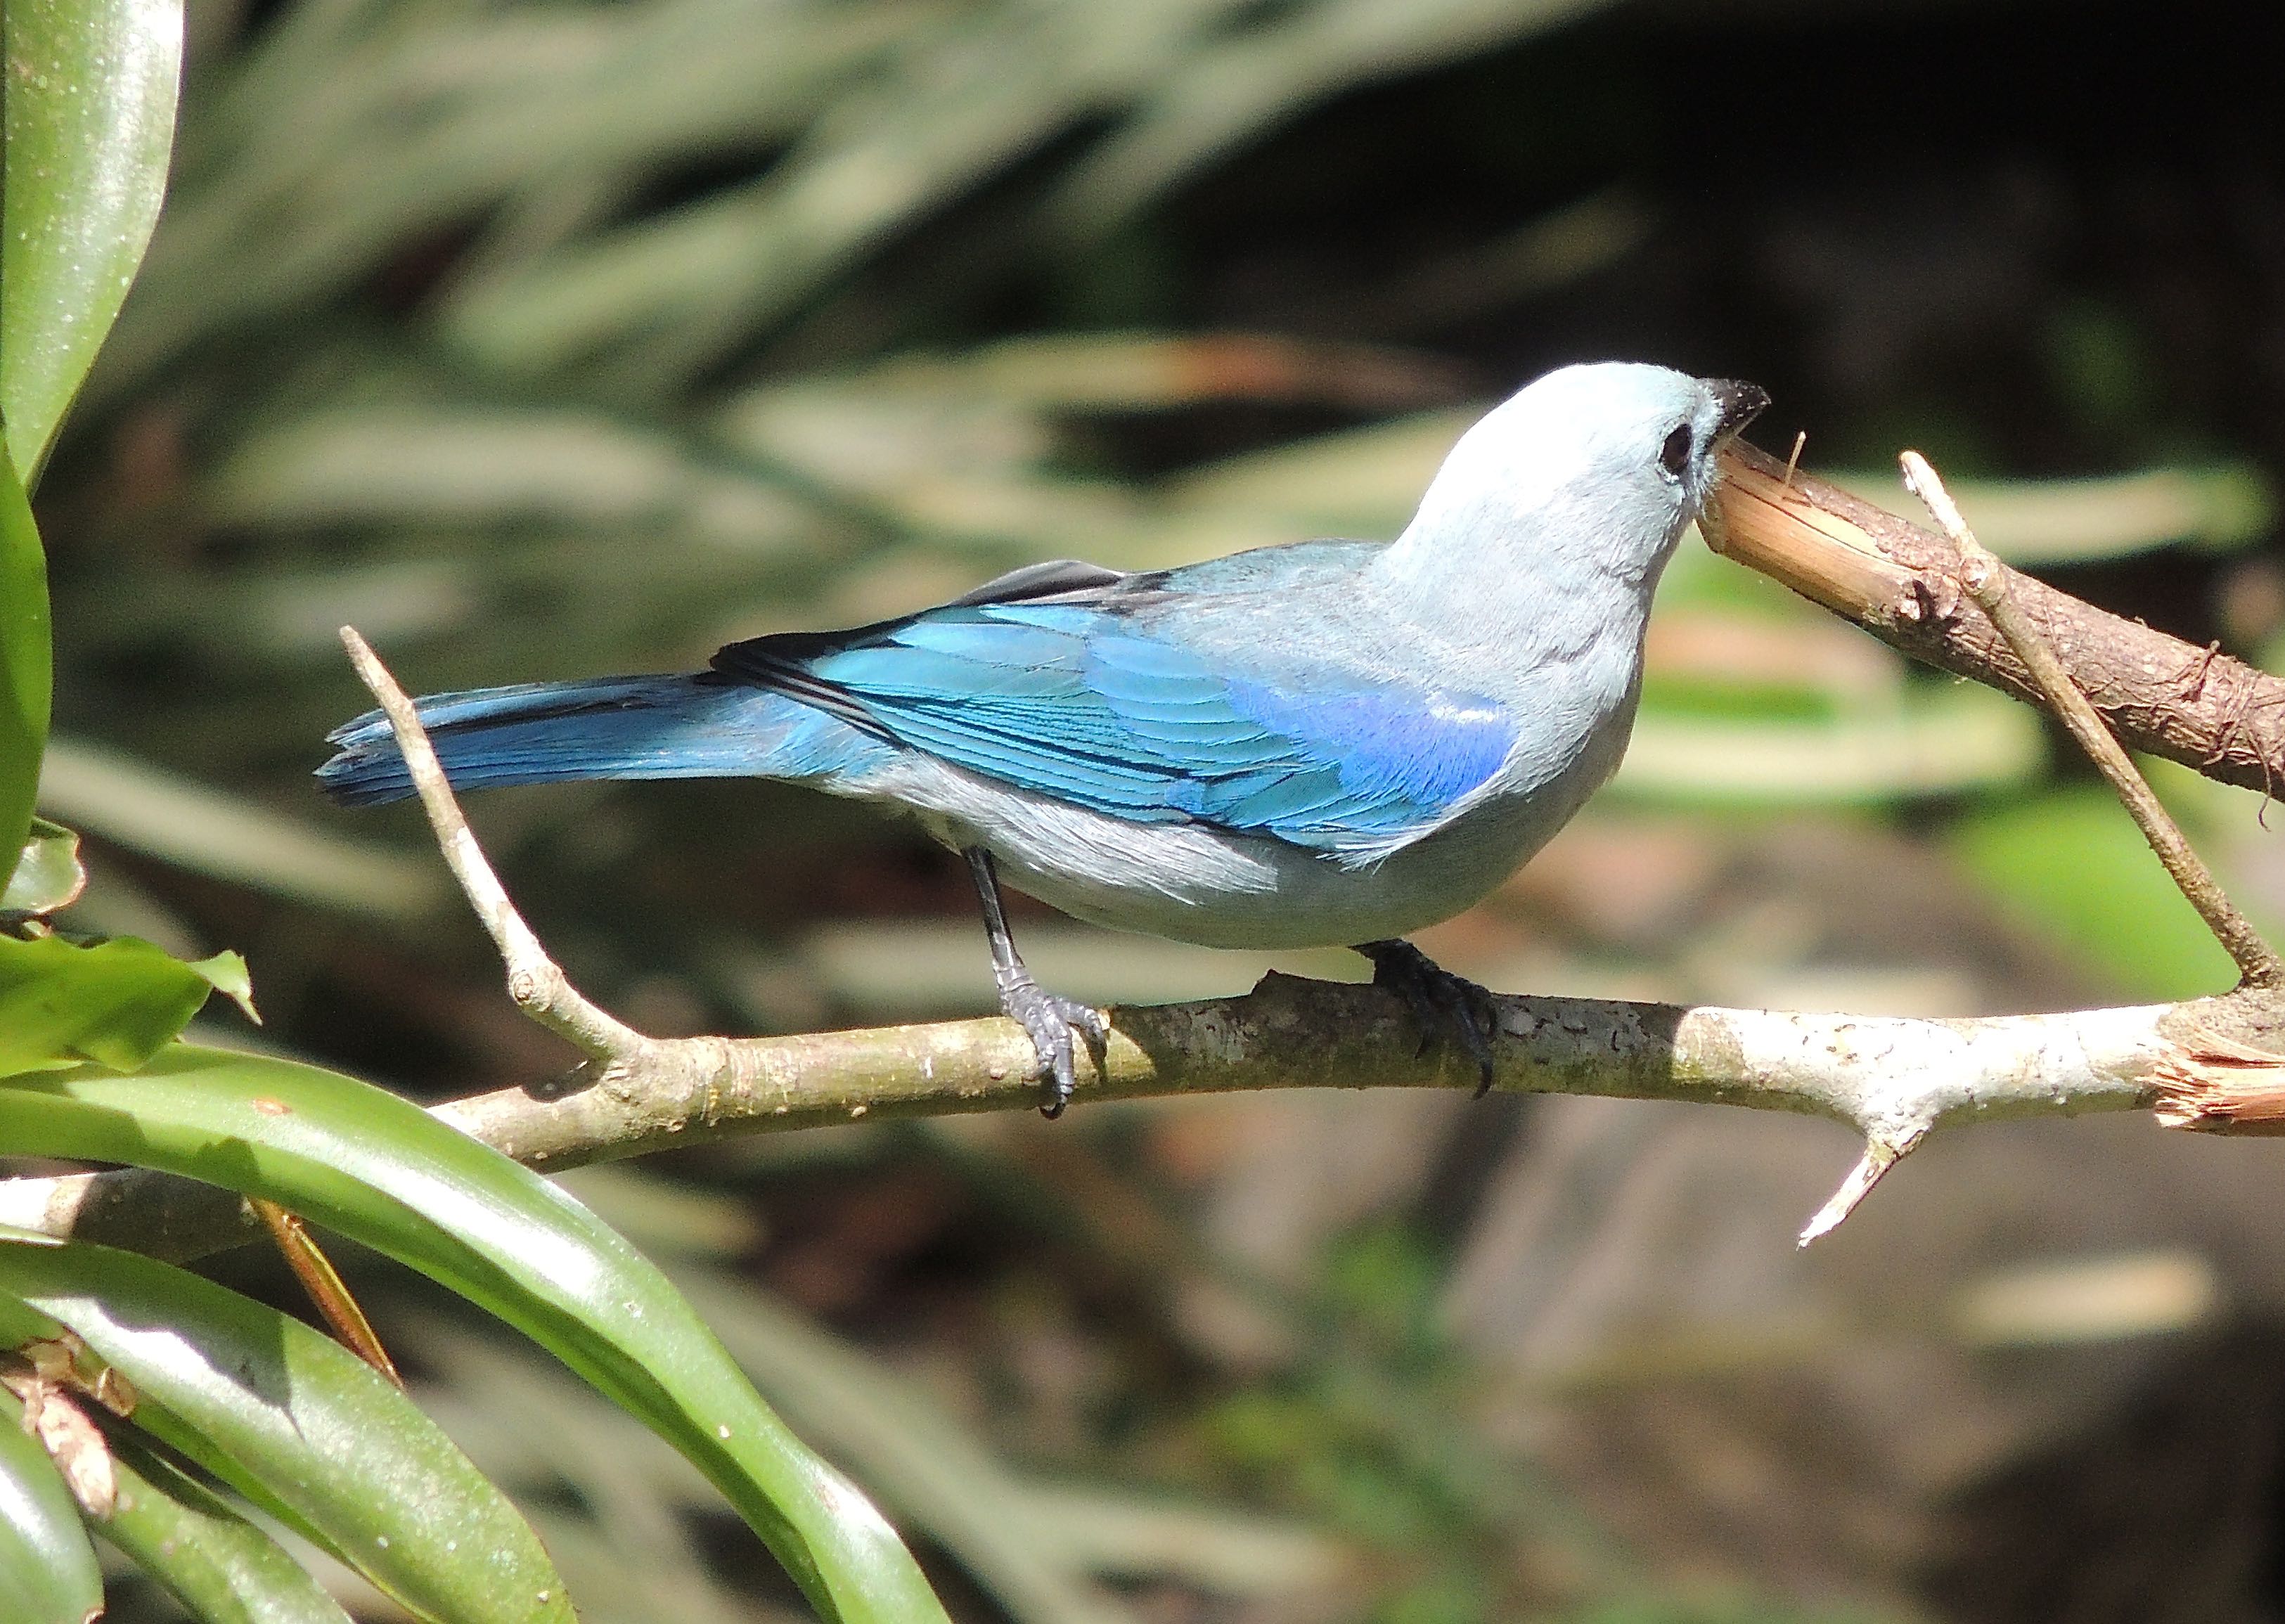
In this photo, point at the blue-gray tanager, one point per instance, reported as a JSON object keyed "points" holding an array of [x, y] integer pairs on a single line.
{"points": [[1327, 743]]}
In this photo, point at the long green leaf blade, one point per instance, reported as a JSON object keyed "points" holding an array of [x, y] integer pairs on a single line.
{"points": [[90, 119], [26, 665], [47, 1568], [375, 1168], [220, 1566], [296, 1422]]}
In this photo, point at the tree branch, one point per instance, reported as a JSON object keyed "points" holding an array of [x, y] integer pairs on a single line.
{"points": [[1986, 581], [2159, 694], [1893, 1080], [2217, 1064]]}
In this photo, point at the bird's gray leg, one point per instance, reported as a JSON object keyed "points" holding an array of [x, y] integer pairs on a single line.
{"points": [[1049, 1019], [1443, 1005]]}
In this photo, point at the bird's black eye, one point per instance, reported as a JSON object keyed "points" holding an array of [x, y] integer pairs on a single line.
{"points": [[1674, 454]]}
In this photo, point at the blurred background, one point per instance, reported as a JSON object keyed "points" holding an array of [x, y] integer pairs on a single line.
{"points": [[541, 338]]}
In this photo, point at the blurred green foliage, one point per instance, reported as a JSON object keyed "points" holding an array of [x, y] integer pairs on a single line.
{"points": [[2076, 867]]}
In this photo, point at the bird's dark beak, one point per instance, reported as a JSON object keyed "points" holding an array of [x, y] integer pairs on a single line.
{"points": [[1741, 404]]}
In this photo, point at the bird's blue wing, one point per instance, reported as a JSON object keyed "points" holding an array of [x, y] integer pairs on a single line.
{"points": [[1088, 703]]}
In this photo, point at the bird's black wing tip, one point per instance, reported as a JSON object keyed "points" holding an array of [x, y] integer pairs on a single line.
{"points": [[1068, 579]]}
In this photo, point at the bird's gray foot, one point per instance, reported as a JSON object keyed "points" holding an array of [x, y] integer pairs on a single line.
{"points": [[1050, 1021], [1443, 1005]]}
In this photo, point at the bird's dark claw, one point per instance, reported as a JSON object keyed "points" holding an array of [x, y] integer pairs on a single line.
{"points": [[1443, 1005], [1050, 1021]]}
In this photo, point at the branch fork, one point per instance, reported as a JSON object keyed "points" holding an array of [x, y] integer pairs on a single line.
{"points": [[2187, 1078], [1986, 580]]}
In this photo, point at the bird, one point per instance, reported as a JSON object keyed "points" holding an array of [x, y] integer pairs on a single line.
{"points": [[1320, 743]]}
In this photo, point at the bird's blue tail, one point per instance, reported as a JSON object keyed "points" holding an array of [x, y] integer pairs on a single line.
{"points": [[606, 727]]}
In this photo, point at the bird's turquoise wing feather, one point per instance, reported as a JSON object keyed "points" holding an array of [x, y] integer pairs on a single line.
{"points": [[1091, 705]]}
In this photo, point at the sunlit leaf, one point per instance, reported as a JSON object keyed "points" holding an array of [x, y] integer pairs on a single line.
{"points": [[49, 875], [91, 118], [47, 1568], [226, 973], [380, 1170], [297, 1423], [220, 1566], [116, 1002]]}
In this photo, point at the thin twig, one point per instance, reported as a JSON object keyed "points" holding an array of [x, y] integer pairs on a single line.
{"points": [[2212, 1065], [1985, 579], [535, 981]]}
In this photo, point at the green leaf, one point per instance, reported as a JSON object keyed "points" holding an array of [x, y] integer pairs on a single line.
{"points": [[47, 1568], [26, 668], [222, 1567], [117, 1002], [91, 118], [298, 1423], [380, 1170], [226, 973], [49, 875]]}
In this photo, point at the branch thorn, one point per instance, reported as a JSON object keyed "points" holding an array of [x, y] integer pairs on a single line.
{"points": [[1792, 463], [1881, 1154]]}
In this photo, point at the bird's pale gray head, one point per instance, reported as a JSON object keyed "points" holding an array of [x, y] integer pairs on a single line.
{"points": [[1601, 464]]}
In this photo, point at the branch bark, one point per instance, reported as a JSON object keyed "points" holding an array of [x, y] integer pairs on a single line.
{"points": [[1892, 1081], [2160, 695]]}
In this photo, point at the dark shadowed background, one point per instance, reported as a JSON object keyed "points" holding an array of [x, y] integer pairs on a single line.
{"points": [[543, 339]]}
